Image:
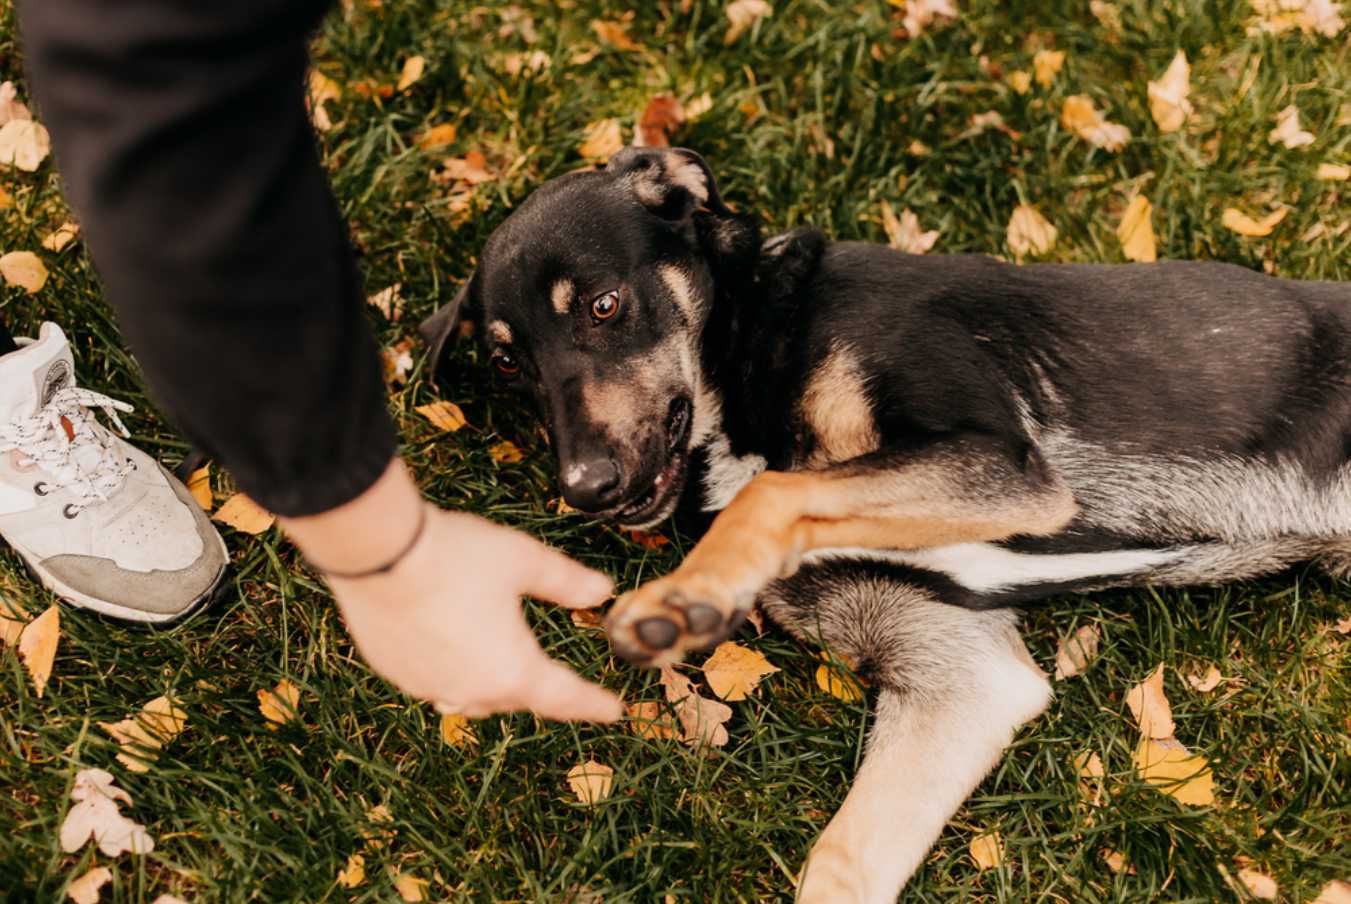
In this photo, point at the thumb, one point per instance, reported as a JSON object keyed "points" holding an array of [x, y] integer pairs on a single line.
{"points": [[552, 576], [560, 693]]}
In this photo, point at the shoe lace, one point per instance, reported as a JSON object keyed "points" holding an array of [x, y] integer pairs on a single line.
{"points": [[70, 446]]}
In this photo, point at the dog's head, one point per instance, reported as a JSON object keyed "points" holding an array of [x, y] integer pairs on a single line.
{"points": [[593, 297]]}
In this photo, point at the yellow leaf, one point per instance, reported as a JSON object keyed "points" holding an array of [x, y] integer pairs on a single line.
{"points": [[37, 646], [1020, 80], [354, 873], [1287, 131], [12, 621], [1259, 885], [505, 452], [383, 831], [616, 34], [1136, 231], [85, 890], [601, 140], [1046, 64], [437, 136], [1107, 14], [733, 671], [1079, 116], [1335, 892], [143, 734], [1089, 765], [23, 269], [702, 721], [650, 720], [243, 514], [413, 69], [24, 144], [904, 232], [742, 14], [279, 705], [445, 416], [1206, 683], [1333, 172], [409, 887], [1168, 767], [1029, 232], [591, 781], [199, 485], [1150, 706], [835, 678], [1168, 102], [63, 236], [1077, 651], [987, 849], [1115, 860], [1236, 221], [457, 731], [388, 302]]}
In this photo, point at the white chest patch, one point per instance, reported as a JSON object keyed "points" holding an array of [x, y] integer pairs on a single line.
{"points": [[727, 473]]}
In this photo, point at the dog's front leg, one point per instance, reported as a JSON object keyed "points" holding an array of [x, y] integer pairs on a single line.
{"points": [[963, 490]]}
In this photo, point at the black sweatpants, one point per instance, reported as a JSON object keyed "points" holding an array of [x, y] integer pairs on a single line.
{"points": [[184, 144]]}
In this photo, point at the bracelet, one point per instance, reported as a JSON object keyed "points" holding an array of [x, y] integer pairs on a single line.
{"points": [[392, 563]]}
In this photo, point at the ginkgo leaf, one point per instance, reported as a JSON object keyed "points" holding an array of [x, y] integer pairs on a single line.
{"points": [[388, 302], [702, 721], [199, 485], [354, 873], [1333, 172], [1020, 80], [733, 671], [413, 69], [649, 719], [1046, 65], [457, 731], [143, 734], [62, 236], [1149, 705], [1168, 767], [1136, 231], [904, 232], [445, 416], [243, 514], [835, 676], [1168, 102], [1075, 652], [1288, 132], [410, 887], [1335, 892], [591, 781], [920, 14], [1079, 116], [506, 452], [12, 622], [85, 890], [1029, 232], [987, 849], [1206, 683], [279, 705], [601, 140], [97, 815], [23, 269], [1236, 220], [615, 34], [741, 15], [1259, 885], [37, 647], [24, 144]]}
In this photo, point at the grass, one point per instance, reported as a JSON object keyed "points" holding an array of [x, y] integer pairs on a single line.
{"points": [[242, 812]]}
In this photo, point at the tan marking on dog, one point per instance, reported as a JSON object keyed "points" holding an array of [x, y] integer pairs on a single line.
{"points": [[835, 408], [681, 288], [560, 295], [499, 331]]}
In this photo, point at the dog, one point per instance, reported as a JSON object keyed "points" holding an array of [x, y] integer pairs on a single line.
{"points": [[902, 450]]}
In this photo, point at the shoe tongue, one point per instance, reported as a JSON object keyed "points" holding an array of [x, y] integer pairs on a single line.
{"points": [[30, 376]]}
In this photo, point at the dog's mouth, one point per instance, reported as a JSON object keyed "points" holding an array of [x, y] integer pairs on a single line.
{"points": [[652, 504]]}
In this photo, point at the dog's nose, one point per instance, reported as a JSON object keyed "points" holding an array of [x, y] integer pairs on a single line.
{"points": [[592, 485]]}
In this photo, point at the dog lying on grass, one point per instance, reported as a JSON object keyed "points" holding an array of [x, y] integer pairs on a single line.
{"points": [[902, 449]]}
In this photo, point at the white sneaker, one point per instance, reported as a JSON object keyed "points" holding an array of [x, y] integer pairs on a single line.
{"points": [[99, 522]]}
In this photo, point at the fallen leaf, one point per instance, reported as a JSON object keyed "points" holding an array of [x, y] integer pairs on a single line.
{"points": [[354, 873], [97, 815], [457, 731], [587, 618], [471, 169], [1288, 132], [702, 721], [1046, 66], [836, 677], [1115, 860], [1259, 885], [601, 140], [742, 14], [321, 89], [1107, 14], [1206, 683], [1168, 767], [534, 61], [10, 106], [615, 34], [1079, 116], [1088, 765], [1168, 102], [591, 781], [1075, 652], [85, 890], [987, 849], [904, 232], [1236, 220], [661, 118], [647, 539], [505, 452], [1136, 231], [61, 237], [1020, 80], [397, 361], [1343, 626], [698, 106], [733, 671], [381, 829], [1335, 892], [920, 14], [388, 302], [1029, 232], [1309, 16], [650, 720], [279, 705], [990, 119], [413, 69], [1150, 706], [437, 136], [37, 647], [445, 416], [12, 622], [199, 485], [1333, 172], [561, 507], [143, 734], [24, 144], [409, 887], [23, 269], [243, 514]]}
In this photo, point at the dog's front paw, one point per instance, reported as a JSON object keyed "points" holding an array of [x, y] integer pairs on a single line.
{"points": [[664, 619]]}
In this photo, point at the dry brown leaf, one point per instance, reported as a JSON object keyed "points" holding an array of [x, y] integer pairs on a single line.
{"points": [[410, 887], [437, 136], [1335, 892], [1168, 767], [1168, 102], [24, 144], [413, 69], [23, 269], [457, 731], [506, 452], [97, 815], [561, 506], [1029, 232], [1020, 80], [661, 118], [37, 647], [62, 236], [591, 781], [199, 485], [987, 849], [1309, 16], [243, 514], [649, 719], [836, 677], [10, 106], [742, 14], [1136, 231], [388, 302], [1236, 220], [1204, 684], [1046, 66], [1107, 14], [1343, 626], [601, 140], [534, 61], [647, 539], [1333, 172], [615, 34], [12, 621], [354, 873], [1077, 651], [920, 14], [587, 618], [397, 361], [698, 106], [445, 416], [471, 169], [279, 705], [990, 119], [1288, 132], [1259, 885], [381, 830], [733, 671], [85, 890], [143, 734], [1088, 765], [1079, 116], [1116, 861], [702, 721], [321, 90], [1149, 704], [904, 232]]}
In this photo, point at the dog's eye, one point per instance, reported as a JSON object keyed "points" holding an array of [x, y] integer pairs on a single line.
{"points": [[605, 306], [505, 364]]}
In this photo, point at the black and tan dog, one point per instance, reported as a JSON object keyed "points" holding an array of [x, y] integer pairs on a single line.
{"points": [[903, 448]]}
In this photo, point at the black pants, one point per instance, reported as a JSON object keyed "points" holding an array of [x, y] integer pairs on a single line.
{"points": [[6, 341]]}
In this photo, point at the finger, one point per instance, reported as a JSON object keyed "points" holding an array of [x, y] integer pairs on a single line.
{"points": [[550, 575], [560, 693]]}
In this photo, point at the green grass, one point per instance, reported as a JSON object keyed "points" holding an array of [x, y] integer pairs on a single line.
{"points": [[242, 812]]}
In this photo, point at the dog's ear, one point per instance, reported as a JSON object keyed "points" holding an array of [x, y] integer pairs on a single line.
{"points": [[438, 329], [673, 183]]}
